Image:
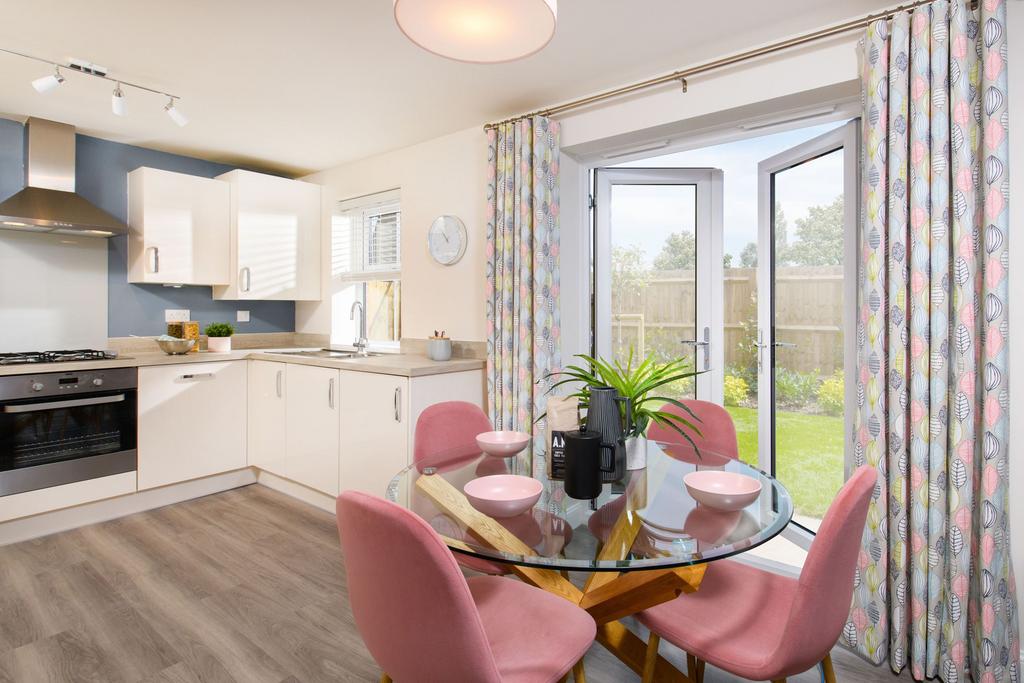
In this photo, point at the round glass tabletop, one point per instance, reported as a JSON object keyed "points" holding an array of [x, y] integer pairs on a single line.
{"points": [[647, 520]]}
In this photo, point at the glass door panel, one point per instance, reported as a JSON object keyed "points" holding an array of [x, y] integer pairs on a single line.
{"points": [[808, 219], [655, 289]]}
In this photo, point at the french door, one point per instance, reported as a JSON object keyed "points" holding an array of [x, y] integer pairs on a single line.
{"points": [[806, 317], [658, 270]]}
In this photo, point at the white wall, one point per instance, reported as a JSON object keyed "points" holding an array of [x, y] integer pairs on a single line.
{"points": [[447, 175], [53, 292]]}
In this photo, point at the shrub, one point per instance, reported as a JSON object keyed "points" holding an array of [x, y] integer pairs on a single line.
{"points": [[795, 389], [831, 394], [219, 330], [736, 390]]}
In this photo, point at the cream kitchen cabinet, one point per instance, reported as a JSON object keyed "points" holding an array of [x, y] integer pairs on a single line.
{"points": [[192, 421], [179, 228], [311, 431], [267, 415], [275, 238], [375, 430]]}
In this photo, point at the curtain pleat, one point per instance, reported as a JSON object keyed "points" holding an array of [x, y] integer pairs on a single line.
{"points": [[935, 590], [523, 314]]}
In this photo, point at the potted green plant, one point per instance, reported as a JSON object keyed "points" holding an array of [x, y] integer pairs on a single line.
{"points": [[218, 337], [643, 387]]}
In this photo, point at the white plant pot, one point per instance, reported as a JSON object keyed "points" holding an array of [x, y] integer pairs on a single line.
{"points": [[636, 452], [218, 344]]}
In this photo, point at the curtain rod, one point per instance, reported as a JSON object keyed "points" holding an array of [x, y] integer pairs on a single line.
{"points": [[682, 75]]}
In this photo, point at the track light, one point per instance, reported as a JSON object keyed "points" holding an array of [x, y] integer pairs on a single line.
{"points": [[175, 113], [48, 83], [118, 104]]}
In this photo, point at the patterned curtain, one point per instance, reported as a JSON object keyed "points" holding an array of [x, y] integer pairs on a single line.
{"points": [[935, 589], [522, 272]]}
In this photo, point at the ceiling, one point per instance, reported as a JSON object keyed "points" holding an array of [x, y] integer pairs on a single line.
{"points": [[302, 86]]}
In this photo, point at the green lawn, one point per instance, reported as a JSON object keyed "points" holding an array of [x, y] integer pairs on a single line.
{"points": [[809, 450]]}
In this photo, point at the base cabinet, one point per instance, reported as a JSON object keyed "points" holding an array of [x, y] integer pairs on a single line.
{"points": [[375, 430], [192, 421], [267, 415], [311, 432]]}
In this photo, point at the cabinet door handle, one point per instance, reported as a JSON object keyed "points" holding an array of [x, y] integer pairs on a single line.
{"points": [[155, 251], [245, 276], [398, 404], [196, 376], [279, 377], [330, 393]]}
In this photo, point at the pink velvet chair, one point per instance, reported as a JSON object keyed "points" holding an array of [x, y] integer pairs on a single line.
{"points": [[763, 626], [423, 621], [717, 431], [445, 435]]}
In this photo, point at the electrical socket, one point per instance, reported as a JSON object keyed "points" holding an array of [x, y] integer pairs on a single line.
{"points": [[176, 315], [242, 317]]}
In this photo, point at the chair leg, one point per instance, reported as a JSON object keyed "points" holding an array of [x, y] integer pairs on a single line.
{"points": [[778, 680], [578, 674], [384, 678], [699, 678], [691, 666], [651, 660], [826, 669]]}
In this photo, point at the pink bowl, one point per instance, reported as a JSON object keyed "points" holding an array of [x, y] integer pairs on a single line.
{"points": [[503, 495], [502, 444], [722, 490]]}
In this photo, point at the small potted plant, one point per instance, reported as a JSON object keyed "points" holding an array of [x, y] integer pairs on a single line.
{"points": [[643, 387], [218, 337], [439, 347]]}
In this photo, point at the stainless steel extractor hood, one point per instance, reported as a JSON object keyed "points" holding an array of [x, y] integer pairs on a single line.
{"points": [[49, 203]]}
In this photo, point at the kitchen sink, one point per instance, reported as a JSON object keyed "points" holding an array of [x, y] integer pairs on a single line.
{"points": [[327, 353]]}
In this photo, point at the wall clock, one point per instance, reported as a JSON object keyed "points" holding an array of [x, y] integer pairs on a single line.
{"points": [[447, 239]]}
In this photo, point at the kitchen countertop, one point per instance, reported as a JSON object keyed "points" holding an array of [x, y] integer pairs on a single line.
{"points": [[405, 365]]}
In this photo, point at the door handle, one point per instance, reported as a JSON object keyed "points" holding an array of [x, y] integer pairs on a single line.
{"points": [[155, 251], [330, 393], [398, 404], [197, 376], [704, 344], [73, 403], [280, 373], [245, 276]]}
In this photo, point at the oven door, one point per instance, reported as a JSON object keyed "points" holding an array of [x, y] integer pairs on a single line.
{"points": [[58, 440]]}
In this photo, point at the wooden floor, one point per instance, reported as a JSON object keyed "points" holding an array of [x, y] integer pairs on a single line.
{"points": [[243, 586]]}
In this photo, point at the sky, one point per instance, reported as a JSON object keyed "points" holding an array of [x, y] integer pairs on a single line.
{"points": [[645, 215]]}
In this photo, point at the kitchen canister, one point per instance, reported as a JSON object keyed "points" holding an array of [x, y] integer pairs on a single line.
{"points": [[439, 348]]}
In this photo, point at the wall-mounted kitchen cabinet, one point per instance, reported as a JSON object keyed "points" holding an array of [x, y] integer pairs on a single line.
{"points": [[180, 231], [275, 238]]}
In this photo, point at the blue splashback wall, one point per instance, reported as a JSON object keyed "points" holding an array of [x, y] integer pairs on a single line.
{"points": [[102, 170]]}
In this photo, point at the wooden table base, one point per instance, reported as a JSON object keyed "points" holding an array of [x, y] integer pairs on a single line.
{"points": [[607, 596]]}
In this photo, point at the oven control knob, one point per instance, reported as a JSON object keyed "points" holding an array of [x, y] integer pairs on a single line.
{"points": [[37, 386], [97, 382]]}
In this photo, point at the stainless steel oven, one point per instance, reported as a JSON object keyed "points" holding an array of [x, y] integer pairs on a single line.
{"points": [[61, 427]]}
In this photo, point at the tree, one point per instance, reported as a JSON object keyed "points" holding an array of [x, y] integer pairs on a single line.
{"points": [[727, 261], [819, 238], [748, 257], [678, 253], [629, 275]]}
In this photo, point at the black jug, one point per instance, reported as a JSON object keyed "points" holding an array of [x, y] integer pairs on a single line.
{"points": [[604, 418], [587, 458]]}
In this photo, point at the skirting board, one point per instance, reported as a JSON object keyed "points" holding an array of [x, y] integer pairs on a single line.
{"points": [[297, 491], [102, 510]]}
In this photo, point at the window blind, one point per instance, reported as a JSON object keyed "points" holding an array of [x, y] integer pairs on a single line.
{"points": [[366, 237]]}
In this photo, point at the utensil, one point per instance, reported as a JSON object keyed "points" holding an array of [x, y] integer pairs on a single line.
{"points": [[604, 418], [502, 444], [722, 490], [585, 464], [176, 347], [503, 495]]}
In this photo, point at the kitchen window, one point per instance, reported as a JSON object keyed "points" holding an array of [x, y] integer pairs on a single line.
{"points": [[366, 267]]}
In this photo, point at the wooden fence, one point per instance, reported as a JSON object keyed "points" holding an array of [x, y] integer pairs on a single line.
{"points": [[808, 312]]}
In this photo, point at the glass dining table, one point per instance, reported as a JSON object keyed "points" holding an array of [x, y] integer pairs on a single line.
{"points": [[643, 541]]}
